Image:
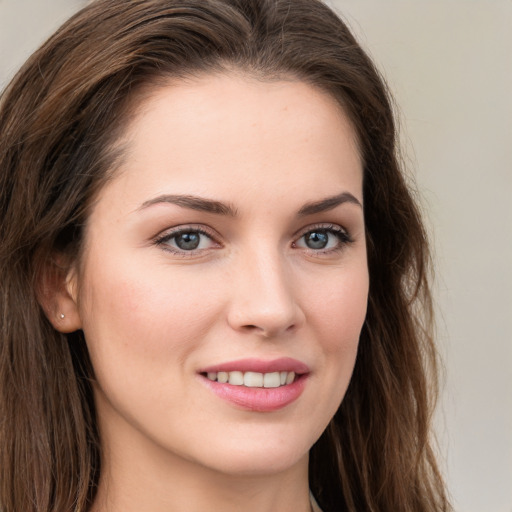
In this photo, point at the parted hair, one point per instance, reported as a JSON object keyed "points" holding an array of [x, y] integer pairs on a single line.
{"points": [[60, 119]]}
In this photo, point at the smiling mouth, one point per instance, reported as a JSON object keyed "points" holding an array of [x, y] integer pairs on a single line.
{"points": [[257, 385], [253, 379]]}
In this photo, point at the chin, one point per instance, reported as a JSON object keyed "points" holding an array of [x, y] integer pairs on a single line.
{"points": [[258, 457], [260, 465]]}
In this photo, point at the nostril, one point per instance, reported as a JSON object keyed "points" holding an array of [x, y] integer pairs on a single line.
{"points": [[267, 332], [256, 329]]}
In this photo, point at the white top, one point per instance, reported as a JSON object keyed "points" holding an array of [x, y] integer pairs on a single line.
{"points": [[314, 505]]}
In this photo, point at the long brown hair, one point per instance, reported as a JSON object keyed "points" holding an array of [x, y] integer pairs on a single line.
{"points": [[59, 120]]}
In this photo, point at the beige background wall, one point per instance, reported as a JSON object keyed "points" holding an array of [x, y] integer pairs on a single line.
{"points": [[450, 66]]}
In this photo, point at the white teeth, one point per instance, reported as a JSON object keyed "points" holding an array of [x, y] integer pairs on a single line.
{"points": [[290, 378], [236, 378], [271, 380], [253, 379]]}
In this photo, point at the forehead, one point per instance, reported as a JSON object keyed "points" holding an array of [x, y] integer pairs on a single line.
{"points": [[216, 132]]}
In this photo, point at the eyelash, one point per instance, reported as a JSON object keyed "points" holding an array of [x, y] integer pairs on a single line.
{"points": [[168, 236], [340, 233], [343, 236]]}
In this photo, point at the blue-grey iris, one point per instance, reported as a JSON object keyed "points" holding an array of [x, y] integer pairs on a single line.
{"points": [[188, 241], [317, 239]]}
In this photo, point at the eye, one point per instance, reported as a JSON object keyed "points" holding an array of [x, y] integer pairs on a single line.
{"points": [[324, 239], [186, 240]]}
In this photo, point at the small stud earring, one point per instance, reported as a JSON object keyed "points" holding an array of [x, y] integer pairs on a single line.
{"points": [[62, 316]]}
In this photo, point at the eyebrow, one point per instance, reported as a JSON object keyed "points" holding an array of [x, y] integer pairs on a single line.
{"points": [[328, 203], [193, 203], [219, 208]]}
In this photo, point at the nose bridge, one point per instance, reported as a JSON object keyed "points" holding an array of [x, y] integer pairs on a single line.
{"points": [[263, 293]]}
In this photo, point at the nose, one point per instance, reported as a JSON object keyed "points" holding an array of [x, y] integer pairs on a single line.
{"points": [[263, 298]]}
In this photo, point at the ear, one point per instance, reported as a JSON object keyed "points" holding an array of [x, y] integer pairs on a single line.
{"points": [[58, 295]]}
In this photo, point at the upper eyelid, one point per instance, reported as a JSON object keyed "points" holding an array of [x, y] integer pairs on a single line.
{"points": [[208, 231], [342, 233], [162, 240], [327, 226], [175, 231]]}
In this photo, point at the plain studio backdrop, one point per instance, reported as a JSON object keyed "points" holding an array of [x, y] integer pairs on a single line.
{"points": [[449, 64]]}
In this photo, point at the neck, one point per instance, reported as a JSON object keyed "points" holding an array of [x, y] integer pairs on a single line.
{"points": [[138, 475], [140, 487]]}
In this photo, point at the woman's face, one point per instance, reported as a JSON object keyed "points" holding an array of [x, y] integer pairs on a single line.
{"points": [[230, 246]]}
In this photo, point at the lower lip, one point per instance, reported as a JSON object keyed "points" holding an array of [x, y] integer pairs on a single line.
{"points": [[258, 399]]}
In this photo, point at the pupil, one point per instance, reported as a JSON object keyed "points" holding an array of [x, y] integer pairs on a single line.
{"points": [[187, 241], [317, 240]]}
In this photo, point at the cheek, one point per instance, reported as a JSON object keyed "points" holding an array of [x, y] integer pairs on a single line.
{"points": [[140, 316], [335, 310], [338, 309], [338, 312], [143, 324]]}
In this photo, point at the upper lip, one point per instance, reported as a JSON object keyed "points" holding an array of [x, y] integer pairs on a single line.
{"points": [[282, 364]]}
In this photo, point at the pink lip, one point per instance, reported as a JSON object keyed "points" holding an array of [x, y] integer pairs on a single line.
{"points": [[259, 399], [283, 364]]}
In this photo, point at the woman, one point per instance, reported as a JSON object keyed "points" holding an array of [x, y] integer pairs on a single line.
{"points": [[214, 277]]}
